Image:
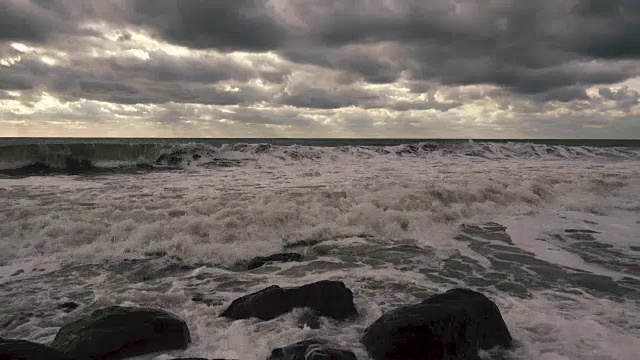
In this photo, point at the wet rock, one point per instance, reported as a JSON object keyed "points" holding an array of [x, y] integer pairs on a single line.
{"points": [[68, 306], [327, 298], [11, 349], [120, 332], [451, 325], [423, 331], [311, 350], [283, 257], [492, 330]]}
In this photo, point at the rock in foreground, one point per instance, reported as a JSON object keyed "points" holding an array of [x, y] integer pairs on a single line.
{"points": [[452, 325], [428, 332], [327, 298], [311, 350], [118, 332], [26, 350], [485, 315]]}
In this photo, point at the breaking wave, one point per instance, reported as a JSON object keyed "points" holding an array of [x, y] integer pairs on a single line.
{"points": [[97, 157]]}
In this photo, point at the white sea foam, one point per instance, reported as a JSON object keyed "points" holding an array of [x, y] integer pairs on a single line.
{"points": [[220, 215]]}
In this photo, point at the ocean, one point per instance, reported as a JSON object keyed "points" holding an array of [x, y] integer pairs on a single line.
{"points": [[548, 229]]}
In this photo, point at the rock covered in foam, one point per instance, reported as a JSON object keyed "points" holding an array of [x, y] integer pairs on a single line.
{"points": [[119, 332], [11, 349], [311, 350], [327, 298], [452, 325]]}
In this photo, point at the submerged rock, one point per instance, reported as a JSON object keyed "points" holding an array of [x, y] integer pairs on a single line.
{"points": [[311, 350], [452, 325], [119, 332], [283, 257], [327, 298], [11, 349]]}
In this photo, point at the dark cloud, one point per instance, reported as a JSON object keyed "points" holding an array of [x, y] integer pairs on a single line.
{"points": [[35, 21], [220, 24], [23, 20], [529, 47], [607, 29]]}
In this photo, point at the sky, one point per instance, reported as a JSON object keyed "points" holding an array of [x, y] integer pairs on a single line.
{"points": [[320, 68]]}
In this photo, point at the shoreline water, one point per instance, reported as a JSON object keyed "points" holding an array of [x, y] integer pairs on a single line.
{"points": [[396, 224]]}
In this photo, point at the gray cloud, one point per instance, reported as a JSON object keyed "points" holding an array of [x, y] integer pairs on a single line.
{"points": [[220, 24], [526, 46], [23, 20], [565, 94], [519, 58]]}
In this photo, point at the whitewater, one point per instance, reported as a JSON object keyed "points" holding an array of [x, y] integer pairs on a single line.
{"points": [[551, 233]]}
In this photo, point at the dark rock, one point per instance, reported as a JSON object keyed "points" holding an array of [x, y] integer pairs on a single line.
{"points": [[26, 350], [492, 330], [68, 306], [327, 298], [120, 332], [284, 257], [452, 325], [311, 350], [423, 331]]}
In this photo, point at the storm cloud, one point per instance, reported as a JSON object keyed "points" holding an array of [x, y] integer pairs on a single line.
{"points": [[337, 67]]}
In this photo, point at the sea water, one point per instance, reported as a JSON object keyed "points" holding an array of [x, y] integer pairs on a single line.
{"points": [[549, 230]]}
